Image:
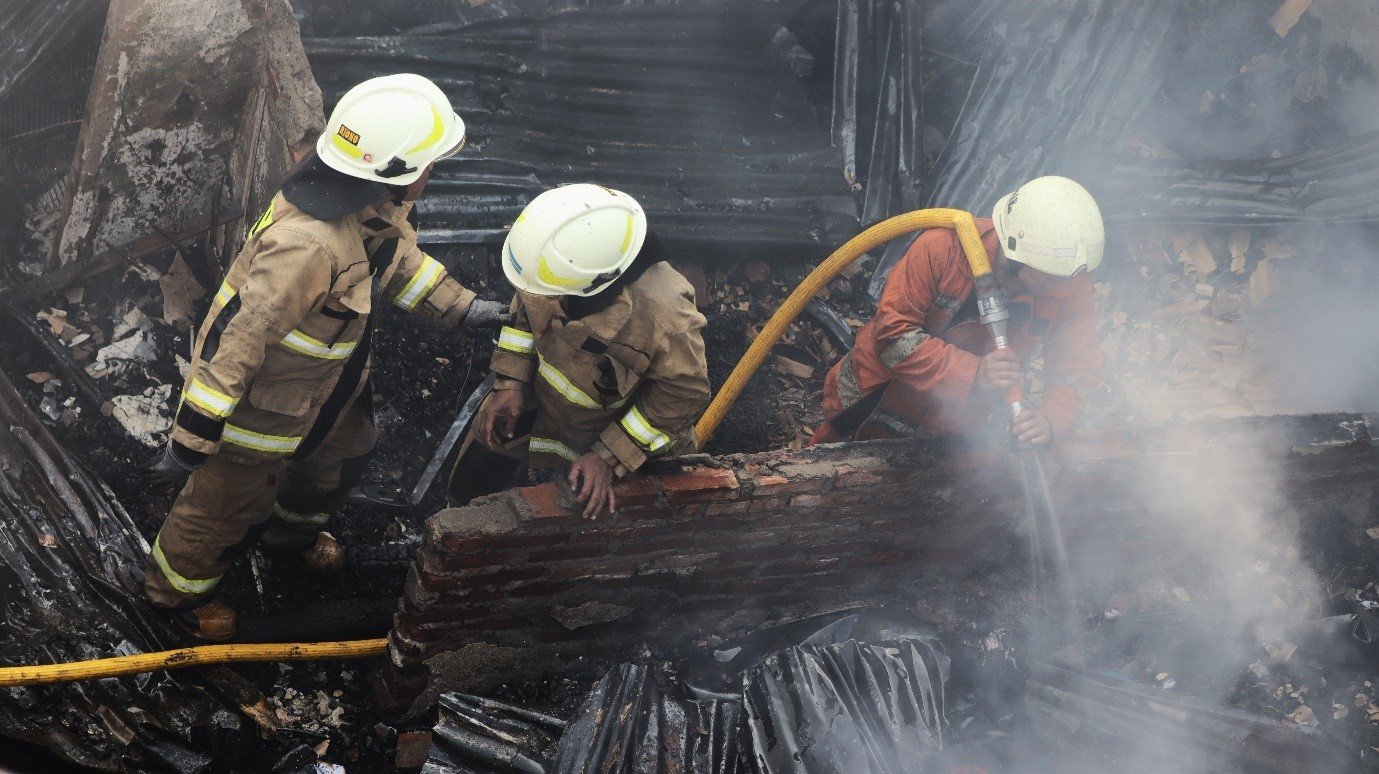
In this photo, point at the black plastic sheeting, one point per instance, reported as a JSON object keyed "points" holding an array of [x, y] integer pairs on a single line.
{"points": [[827, 704], [71, 564], [631, 724], [685, 107], [848, 707], [32, 30], [477, 735], [628, 723], [878, 101], [1057, 90], [1332, 184], [1058, 86]]}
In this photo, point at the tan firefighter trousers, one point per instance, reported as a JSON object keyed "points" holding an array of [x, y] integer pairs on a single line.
{"points": [[226, 507]]}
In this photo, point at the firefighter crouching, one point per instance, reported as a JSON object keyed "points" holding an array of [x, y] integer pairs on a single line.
{"points": [[602, 366], [276, 417], [924, 364]]}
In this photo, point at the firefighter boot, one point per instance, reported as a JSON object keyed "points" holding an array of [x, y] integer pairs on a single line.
{"points": [[212, 622], [326, 556]]}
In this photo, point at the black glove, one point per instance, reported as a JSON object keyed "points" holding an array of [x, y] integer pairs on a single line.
{"points": [[168, 470], [485, 314]]}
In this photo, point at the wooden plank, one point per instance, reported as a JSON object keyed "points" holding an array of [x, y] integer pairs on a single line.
{"points": [[127, 253]]}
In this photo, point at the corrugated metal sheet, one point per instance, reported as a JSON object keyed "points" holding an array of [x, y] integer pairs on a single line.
{"points": [[685, 107], [1331, 184]]}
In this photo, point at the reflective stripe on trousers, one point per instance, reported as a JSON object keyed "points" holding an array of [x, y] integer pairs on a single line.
{"points": [[317, 520], [189, 586], [552, 446]]}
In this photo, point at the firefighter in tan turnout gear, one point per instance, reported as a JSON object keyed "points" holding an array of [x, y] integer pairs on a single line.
{"points": [[603, 364], [276, 416]]}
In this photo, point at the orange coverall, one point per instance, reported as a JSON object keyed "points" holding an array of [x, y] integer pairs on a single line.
{"points": [[913, 368]]}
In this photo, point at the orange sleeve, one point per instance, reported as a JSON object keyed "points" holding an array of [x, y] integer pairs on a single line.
{"points": [[1072, 360], [933, 274]]}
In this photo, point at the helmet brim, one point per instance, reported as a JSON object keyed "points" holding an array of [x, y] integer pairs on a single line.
{"points": [[515, 277]]}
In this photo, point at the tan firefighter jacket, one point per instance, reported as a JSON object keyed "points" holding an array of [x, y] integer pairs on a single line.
{"points": [[627, 382], [285, 346]]}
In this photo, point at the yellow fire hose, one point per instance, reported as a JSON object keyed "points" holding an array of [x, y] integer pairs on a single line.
{"points": [[201, 655], [877, 235], [206, 655]]}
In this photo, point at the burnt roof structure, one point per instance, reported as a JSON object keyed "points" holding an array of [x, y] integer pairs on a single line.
{"points": [[687, 108]]}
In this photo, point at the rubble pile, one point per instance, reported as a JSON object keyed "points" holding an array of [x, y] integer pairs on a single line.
{"points": [[1211, 265], [1181, 321]]}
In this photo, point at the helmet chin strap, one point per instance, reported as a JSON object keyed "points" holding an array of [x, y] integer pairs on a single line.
{"points": [[396, 167]]}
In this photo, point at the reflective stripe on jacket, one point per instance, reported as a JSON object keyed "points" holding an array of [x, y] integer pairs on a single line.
{"points": [[627, 382], [926, 336], [285, 346]]}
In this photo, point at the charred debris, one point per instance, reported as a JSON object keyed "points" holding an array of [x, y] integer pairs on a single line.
{"points": [[1235, 145]]}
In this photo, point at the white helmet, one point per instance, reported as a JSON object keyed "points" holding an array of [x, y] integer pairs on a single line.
{"points": [[389, 129], [1051, 224], [573, 240]]}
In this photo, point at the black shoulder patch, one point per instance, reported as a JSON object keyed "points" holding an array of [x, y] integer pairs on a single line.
{"points": [[382, 256], [593, 345], [377, 224]]}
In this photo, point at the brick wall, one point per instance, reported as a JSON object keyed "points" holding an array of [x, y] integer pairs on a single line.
{"points": [[517, 586]]}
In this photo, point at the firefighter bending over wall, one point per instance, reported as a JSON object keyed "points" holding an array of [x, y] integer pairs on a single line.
{"points": [[925, 365], [603, 364], [276, 419]]}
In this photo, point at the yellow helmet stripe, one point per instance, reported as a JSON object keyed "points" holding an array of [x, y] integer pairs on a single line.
{"points": [[544, 273], [437, 132], [627, 238], [344, 147]]}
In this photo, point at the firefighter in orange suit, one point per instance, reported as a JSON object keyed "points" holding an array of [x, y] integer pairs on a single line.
{"points": [[924, 365], [603, 365], [276, 416]]}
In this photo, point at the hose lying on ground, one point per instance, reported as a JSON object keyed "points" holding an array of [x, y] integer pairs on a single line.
{"points": [[794, 305], [201, 655]]}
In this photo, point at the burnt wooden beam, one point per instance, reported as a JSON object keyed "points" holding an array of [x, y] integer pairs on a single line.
{"points": [[74, 272]]}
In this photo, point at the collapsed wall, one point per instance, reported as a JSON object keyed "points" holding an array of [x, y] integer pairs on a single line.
{"points": [[196, 108], [517, 586]]}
